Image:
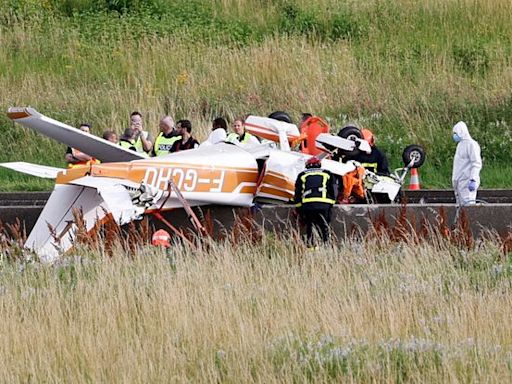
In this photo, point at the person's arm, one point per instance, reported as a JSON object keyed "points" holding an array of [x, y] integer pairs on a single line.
{"points": [[80, 156], [147, 141], [476, 161]]}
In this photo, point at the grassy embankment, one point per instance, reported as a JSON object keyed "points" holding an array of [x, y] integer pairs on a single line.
{"points": [[371, 311], [409, 70]]}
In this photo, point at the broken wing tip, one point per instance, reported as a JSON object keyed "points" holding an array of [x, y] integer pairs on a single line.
{"points": [[15, 113]]}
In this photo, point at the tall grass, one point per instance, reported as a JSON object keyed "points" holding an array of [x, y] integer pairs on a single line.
{"points": [[409, 70], [271, 312]]}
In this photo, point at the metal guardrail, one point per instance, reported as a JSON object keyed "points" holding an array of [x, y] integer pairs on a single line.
{"points": [[426, 196]]}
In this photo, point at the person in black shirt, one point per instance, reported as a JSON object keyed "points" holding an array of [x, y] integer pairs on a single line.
{"points": [[187, 141]]}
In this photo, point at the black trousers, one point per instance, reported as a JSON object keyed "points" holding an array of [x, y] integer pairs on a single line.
{"points": [[316, 219]]}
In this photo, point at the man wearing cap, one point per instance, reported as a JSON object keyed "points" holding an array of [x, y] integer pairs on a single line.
{"points": [[315, 194]]}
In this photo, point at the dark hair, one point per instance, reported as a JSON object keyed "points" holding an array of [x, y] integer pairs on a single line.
{"points": [[306, 116], [187, 125], [128, 134], [135, 113], [108, 134], [220, 122], [85, 125]]}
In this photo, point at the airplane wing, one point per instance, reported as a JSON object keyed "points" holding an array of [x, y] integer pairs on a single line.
{"points": [[43, 171], [95, 197], [97, 147]]}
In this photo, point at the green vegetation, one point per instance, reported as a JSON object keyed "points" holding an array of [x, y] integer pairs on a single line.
{"points": [[408, 70], [362, 311]]}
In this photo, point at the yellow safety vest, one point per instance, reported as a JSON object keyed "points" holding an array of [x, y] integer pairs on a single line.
{"points": [[163, 144], [370, 166], [126, 144], [235, 137]]}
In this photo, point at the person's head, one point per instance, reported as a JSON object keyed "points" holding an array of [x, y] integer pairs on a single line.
{"points": [[313, 162], [136, 120], [128, 134], [110, 136], [85, 127], [460, 131], [238, 127], [166, 124], [219, 122], [185, 128], [305, 116], [368, 136]]}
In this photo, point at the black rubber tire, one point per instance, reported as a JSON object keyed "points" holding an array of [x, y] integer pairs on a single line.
{"points": [[350, 132], [416, 152], [281, 116]]}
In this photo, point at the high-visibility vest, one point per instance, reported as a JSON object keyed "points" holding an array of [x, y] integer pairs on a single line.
{"points": [[92, 161], [232, 137], [163, 144], [139, 146], [370, 166], [127, 144], [316, 187]]}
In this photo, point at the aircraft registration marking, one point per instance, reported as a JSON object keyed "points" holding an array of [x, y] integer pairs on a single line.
{"points": [[185, 179]]}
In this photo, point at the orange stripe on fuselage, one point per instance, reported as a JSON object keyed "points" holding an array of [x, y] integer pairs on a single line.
{"points": [[18, 115], [266, 133], [276, 192], [278, 181], [188, 178]]}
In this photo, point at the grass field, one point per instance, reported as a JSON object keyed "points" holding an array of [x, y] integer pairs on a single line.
{"points": [[409, 70], [363, 311]]}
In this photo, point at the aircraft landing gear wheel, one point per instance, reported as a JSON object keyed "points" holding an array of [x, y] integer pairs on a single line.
{"points": [[281, 116], [351, 133], [416, 153]]}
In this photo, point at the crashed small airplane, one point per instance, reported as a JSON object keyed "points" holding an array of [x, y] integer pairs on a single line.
{"points": [[127, 185]]}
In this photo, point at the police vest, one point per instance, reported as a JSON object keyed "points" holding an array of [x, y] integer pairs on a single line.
{"points": [[316, 187], [163, 144], [232, 137]]}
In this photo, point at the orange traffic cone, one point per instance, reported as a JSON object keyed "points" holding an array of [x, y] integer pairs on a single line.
{"points": [[414, 182]]}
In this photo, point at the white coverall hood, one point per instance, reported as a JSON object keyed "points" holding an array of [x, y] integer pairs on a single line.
{"points": [[461, 129], [467, 164]]}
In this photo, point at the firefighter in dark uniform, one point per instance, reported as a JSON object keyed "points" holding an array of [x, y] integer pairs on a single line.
{"points": [[315, 194], [375, 161]]}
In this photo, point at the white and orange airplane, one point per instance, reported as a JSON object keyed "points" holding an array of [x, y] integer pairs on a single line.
{"points": [[127, 185]]}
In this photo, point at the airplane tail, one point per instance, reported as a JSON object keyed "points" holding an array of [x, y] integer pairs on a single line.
{"points": [[55, 230]]}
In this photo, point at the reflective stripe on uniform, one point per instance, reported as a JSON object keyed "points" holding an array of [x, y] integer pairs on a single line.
{"points": [[370, 165], [322, 189], [163, 144]]}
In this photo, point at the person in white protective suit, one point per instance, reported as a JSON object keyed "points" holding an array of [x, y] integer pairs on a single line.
{"points": [[467, 164]]}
